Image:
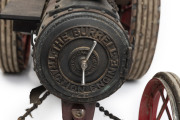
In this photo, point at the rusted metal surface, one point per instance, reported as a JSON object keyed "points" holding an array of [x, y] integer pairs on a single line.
{"points": [[75, 25], [35, 93], [23, 10], [72, 111], [36, 100]]}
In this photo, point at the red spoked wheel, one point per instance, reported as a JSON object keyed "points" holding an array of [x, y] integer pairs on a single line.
{"points": [[161, 98], [141, 19]]}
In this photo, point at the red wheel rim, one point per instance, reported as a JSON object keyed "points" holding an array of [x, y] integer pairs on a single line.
{"points": [[125, 13], [150, 101]]}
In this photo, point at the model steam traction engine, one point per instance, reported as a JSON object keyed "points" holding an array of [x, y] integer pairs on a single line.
{"points": [[84, 50]]}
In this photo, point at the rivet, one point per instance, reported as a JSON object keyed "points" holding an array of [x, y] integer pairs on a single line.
{"points": [[55, 16], [117, 20], [56, 6], [70, 9], [43, 26], [114, 10]]}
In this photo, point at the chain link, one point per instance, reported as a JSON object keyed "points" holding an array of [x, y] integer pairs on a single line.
{"points": [[106, 112]]}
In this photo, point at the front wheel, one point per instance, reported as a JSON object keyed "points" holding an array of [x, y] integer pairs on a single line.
{"points": [[165, 86]]}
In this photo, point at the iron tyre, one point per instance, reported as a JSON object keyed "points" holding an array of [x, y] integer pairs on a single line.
{"points": [[141, 19], [162, 84], [14, 47]]}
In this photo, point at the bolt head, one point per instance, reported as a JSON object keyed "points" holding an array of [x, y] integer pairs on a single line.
{"points": [[78, 113]]}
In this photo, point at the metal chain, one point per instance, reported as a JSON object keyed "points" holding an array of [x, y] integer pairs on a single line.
{"points": [[35, 106], [106, 112], [40, 101]]}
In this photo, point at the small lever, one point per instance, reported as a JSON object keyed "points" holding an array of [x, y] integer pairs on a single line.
{"points": [[84, 63]]}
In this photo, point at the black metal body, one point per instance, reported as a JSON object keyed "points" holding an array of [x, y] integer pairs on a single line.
{"points": [[66, 33]]}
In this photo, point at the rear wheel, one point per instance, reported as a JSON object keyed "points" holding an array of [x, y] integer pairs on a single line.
{"points": [[141, 19], [165, 86], [14, 47]]}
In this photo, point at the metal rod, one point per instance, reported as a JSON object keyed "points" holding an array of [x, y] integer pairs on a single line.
{"points": [[167, 109], [164, 106], [84, 63], [83, 77], [91, 50]]}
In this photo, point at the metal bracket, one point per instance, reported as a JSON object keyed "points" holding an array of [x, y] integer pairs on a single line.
{"points": [[23, 10], [26, 14]]}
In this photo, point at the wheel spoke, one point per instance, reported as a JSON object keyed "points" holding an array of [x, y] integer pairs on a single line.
{"points": [[167, 109], [164, 106]]}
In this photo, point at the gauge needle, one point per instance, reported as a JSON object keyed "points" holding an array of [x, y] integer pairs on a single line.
{"points": [[84, 63]]}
